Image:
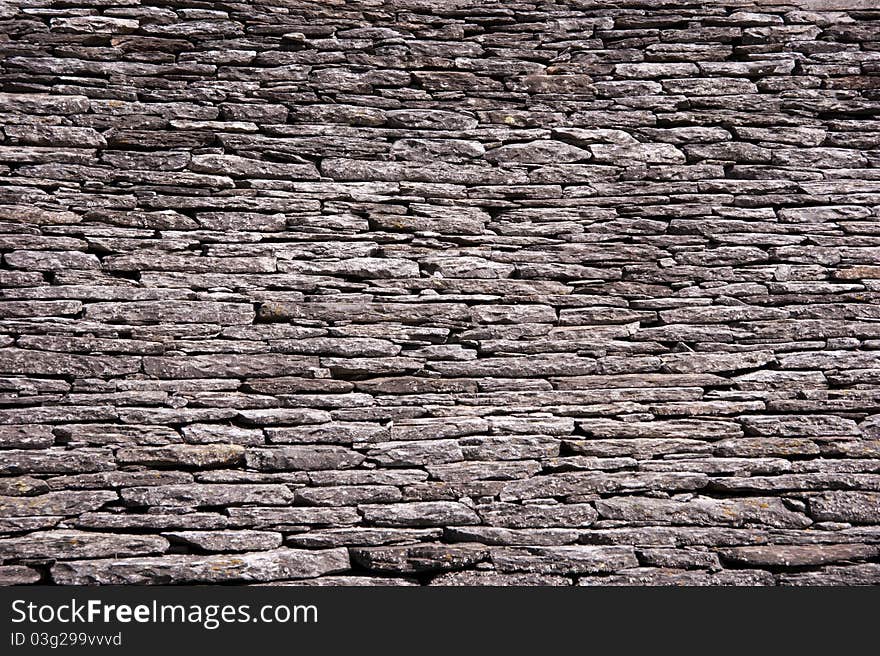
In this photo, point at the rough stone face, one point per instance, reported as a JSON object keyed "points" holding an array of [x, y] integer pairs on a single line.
{"points": [[18, 575], [183, 455], [840, 506], [427, 513], [206, 495], [798, 555], [59, 545], [703, 511], [220, 541], [274, 565], [563, 560], [419, 558], [55, 503], [302, 458], [440, 293]]}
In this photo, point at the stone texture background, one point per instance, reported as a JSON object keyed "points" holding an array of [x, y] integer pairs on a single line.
{"points": [[440, 291]]}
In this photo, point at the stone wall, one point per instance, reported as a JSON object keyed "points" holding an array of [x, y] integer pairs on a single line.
{"points": [[440, 292]]}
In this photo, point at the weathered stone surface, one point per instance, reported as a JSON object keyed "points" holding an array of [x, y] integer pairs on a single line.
{"points": [[172, 311], [845, 506], [538, 152], [864, 574], [183, 455], [419, 558], [487, 293], [274, 565], [427, 513], [302, 458], [26, 437], [563, 560], [478, 578], [62, 544], [55, 461], [656, 576], [336, 537], [218, 541], [798, 556], [207, 495], [348, 495], [418, 453], [18, 575], [55, 503], [535, 516], [287, 518], [703, 511]]}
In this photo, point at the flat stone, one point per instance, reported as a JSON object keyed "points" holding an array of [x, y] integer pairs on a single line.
{"points": [[230, 540], [566, 560], [302, 458], [417, 514], [202, 456], [430, 119], [64, 544], [797, 555], [846, 506], [658, 576], [207, 495], [494, 579], [363, 537], [864, 574], [420, 558], [56, 461], [702, 511], [538, 152], [56, 503], [536, 516], [273, 565]]}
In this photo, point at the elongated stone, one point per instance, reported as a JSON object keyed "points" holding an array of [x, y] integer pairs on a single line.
{"points": [[659, 576], [183, 455], [416, 559], [64, 544], [55, 503], [273, 565], [702, 511], [302, 458], [219, 541], [565, 560], [416, 514], [207, 495], [846, 506], [797, 555]]}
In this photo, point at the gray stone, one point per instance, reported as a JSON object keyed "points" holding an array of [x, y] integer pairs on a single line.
{"points": [[864, 574], [202, 456], [657, 576], [846, 506], [538, 152], [219, 541], [420, 558], [64, 544], [56, 461], [416, 514], [207, 495], [703, 511], [273, 565], [534, 516], [494, 579], [302, 458], [797, 555], [566, 560]]}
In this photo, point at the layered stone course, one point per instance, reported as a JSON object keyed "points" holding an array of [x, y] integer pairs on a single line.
{"points": [[440, 292]]}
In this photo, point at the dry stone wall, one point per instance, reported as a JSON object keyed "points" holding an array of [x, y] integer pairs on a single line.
{"points": [[440, 292]]}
